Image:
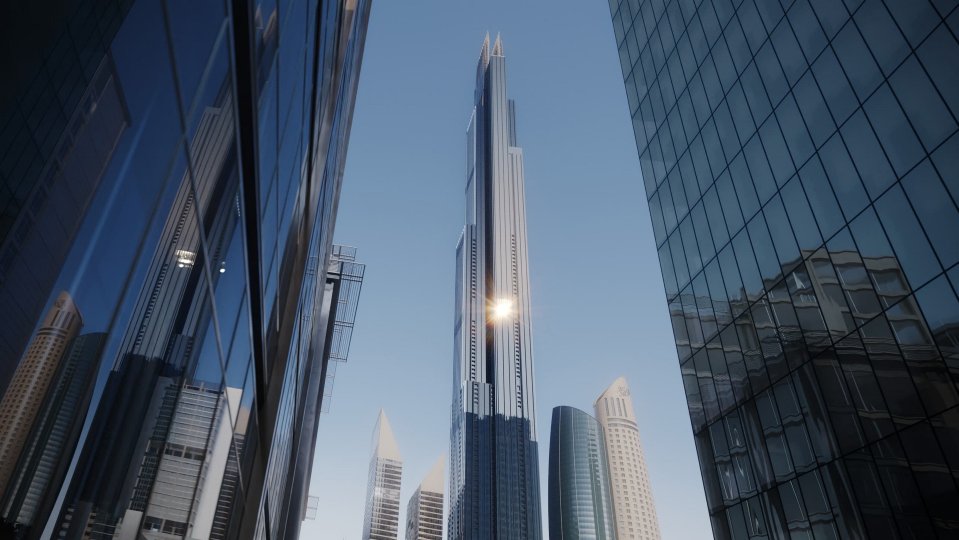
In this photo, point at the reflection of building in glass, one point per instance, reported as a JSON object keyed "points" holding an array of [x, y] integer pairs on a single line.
{"points": [[191, 467], [494, 468], [800, 167], [229, 486], [45, 458], [633, 502], [21, 404], [424, 513], [580, 500], [207, 264], [172, 310], [381, 520], [50, 196]]}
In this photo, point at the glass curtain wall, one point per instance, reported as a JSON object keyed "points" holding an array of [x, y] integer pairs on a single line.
{"points": [[800, 165], [169, 168]]}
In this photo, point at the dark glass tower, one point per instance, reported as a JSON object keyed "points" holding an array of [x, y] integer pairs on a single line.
{"points": [[800, 164], [175, 170], [580, 497], [494, 469]]}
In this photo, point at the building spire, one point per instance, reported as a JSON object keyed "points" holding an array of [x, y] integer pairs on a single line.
{"points": [[384, 443], [497, 46], [434, 479]]}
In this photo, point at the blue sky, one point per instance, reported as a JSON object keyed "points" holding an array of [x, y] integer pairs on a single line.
{"points": [[597, 294]]}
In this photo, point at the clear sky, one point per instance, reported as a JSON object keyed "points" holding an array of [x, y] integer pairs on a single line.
{"points": [[597, 294]]}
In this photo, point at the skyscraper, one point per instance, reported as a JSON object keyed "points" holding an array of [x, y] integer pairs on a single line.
{"points": [[189, 208], [800, 166], [22, 402], [632, 495], [382, 517], [494, 468], [424, 513], [580, 500]]}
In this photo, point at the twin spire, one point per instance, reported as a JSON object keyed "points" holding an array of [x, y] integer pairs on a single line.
{"points": [[485, 52]]}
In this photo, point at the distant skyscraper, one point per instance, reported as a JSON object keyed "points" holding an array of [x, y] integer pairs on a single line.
{"points": [[382, 518], [494, 468], [424, 513], [580, 501], [632, 496], [800, 165], [24, 398]]}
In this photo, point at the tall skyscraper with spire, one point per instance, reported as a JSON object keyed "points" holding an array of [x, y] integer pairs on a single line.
{"points": [[632, 496], [424, 513], [382, 518], [494, 471]]}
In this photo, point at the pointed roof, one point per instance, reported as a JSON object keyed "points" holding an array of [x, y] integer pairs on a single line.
{"points": [[484, 51], [384, 443], [619, 389], [497, 47], [434, 479]]}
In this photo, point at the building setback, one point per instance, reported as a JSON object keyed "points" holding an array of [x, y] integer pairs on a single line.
{"points": [[580, 501], [632, 494], [424, 513], [381, 520], [494, 468], [799, 160]]}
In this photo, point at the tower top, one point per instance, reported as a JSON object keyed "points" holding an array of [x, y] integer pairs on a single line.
{"points": [[497, 46], [384, 443], [619, 389], [434, 479]]}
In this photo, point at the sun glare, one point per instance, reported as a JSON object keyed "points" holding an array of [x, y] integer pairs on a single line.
{"points": [[502, 308]]}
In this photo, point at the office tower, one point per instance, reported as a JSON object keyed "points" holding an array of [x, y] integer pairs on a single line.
{"points": [[44, 460], [580, 501], [424, 513], [203, 250], [382, 516], [800, 165], [494, 468], [21, 404], [632, 496]]}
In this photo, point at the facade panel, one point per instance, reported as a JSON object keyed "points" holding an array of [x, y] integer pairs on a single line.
{"points": [[799, 163]]}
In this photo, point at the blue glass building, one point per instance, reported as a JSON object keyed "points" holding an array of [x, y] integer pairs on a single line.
{"points": [[494, 468], [174, 168], [580, 496], [800, 165]]}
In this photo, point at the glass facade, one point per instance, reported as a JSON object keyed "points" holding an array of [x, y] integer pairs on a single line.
{"points": [[799, 159], [580, 499], [494, 464], [170, 297]]}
